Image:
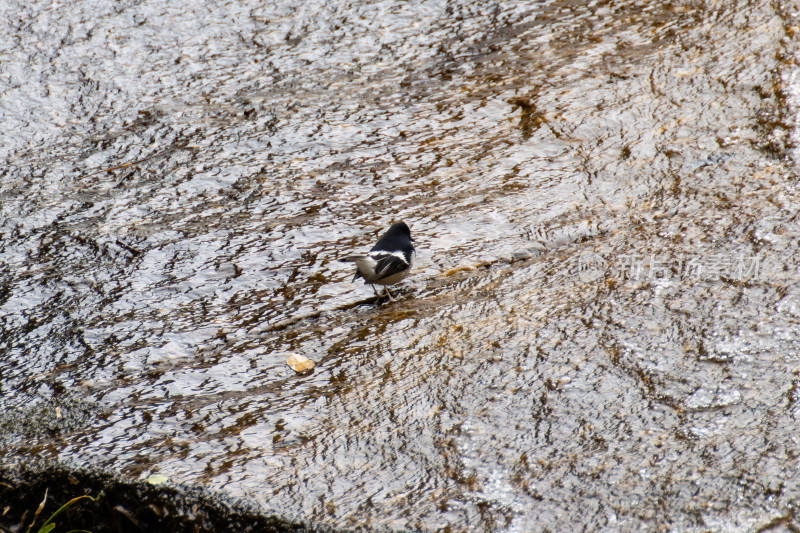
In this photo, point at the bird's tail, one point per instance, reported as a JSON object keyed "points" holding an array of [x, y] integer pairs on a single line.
{"points": [[357, 259]]}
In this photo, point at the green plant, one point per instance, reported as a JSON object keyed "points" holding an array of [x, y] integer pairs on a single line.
{"points": [[50, 524]]}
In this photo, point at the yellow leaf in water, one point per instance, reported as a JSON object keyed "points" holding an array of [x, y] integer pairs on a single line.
{"points": [[299, 363], [157, 479]]}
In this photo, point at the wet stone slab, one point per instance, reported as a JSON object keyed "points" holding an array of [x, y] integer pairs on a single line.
{"points": [[601, 332]]}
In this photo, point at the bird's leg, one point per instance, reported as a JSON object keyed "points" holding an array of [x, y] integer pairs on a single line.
{"points": [[375, 290], [389, 294]]}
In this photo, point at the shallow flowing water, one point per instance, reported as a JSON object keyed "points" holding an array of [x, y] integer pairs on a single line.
{"points": [[602, 328]]}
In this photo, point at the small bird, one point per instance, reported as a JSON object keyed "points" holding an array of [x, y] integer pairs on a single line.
{"points": [[389, 261]]}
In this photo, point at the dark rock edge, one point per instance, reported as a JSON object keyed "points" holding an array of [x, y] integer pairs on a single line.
{"points": [[122, 505]]}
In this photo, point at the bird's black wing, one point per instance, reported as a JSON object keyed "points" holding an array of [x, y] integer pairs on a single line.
{"points": [[387, 264]]}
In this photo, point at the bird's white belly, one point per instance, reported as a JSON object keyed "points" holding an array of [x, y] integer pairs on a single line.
{"points": [[394, 278]]}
